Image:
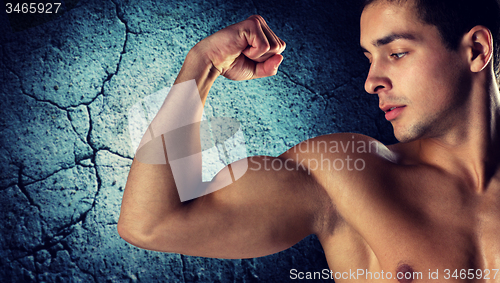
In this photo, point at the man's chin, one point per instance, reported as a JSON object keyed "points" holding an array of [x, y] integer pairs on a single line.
{"points": [[403, 139], [405, 135]]}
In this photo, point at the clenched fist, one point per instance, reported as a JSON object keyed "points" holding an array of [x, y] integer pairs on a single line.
{"points": [[245, 50]]}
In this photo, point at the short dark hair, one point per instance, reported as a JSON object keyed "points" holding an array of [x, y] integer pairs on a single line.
{"points": [[454, 18]]}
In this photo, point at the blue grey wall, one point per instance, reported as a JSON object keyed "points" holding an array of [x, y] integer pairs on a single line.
{"points": [[67, 83]]}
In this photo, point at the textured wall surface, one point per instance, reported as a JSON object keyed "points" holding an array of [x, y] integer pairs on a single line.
{"points": [[67, 83]]}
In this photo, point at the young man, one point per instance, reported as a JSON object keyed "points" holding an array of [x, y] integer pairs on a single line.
{"points": [[426, 208]]}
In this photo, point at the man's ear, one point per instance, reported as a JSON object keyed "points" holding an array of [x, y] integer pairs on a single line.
{"points": [[479, 42]]}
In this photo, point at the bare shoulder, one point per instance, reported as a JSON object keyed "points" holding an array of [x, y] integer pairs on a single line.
{"points": [[350, 170]]}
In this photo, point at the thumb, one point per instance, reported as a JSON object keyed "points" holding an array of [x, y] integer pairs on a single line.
{"points": [[268, 67]]}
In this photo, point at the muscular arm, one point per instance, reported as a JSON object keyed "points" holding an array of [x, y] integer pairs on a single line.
{"points": [[263, 212]]}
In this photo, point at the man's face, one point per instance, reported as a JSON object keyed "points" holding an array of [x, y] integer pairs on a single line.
{"points": [[420, 83]]}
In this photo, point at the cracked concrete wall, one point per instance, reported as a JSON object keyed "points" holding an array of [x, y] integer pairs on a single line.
{"points": [[67, 84]]}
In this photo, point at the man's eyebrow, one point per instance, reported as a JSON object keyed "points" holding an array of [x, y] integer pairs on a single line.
{"points": [[392, 37]]}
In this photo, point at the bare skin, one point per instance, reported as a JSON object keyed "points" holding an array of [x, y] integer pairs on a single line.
{"points": [[429, 203]]}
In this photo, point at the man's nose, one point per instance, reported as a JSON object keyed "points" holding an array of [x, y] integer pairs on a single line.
{"points": [[377, 79]]}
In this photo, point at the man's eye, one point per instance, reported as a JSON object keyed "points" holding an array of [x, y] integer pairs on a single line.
{"points": [[398, 55]]}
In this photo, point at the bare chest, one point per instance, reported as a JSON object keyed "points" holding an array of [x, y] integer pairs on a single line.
{"points": [[427, 235]]}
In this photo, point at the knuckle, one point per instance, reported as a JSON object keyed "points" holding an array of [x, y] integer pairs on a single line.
{"points": [[283, 45], [256, 19], [266, 46], [278, 46], [274, 47]]}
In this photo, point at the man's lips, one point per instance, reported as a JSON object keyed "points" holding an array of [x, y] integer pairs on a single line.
{"points": [[387, 108], [392, 111]]}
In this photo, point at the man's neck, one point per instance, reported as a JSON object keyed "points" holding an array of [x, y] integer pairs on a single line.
{"points": [[471, 148]]}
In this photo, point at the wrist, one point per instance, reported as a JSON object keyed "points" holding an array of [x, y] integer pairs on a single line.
{"points": [[201, 54], [198, 66]]}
